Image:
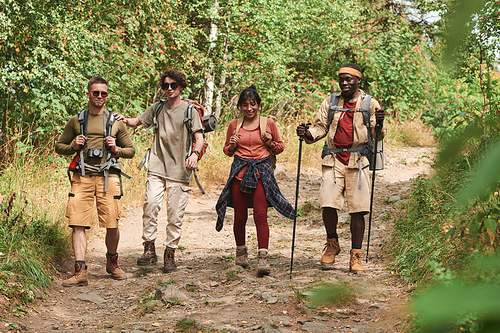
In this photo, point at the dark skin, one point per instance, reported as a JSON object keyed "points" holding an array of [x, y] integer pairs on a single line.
{"points": [[349, 86]]}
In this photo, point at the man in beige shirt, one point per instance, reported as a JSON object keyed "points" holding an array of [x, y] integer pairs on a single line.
{"points": [[345, 163], [170, 167]]}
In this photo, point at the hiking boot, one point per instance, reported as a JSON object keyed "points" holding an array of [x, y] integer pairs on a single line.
{"points": [[242, 257], [263, 267], [79, 278], [169, 260], [113, 268], [149, 255], [355, 265], [332, 248]]}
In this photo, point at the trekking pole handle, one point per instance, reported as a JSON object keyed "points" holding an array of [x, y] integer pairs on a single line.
{"points": [[301, 138]]}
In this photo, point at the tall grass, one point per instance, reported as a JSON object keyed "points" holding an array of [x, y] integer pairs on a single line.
{"points": [[412, 132], [32, 236]]}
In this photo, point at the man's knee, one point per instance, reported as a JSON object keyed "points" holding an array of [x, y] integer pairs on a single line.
{"points": [[357, 217], [329, 214], [78, 229]]}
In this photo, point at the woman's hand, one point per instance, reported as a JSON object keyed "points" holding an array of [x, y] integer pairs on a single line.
{"points": [[233, 142], [268, 140]]}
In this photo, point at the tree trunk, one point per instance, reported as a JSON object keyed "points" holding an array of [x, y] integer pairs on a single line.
{"points": [[222, 85], [209, 83]]}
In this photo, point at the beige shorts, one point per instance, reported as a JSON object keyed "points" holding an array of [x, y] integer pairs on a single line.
{"points": [[81, 201], [345, 182]]}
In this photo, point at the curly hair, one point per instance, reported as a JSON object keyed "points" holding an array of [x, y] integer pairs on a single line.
{"points": [[175, 75]]}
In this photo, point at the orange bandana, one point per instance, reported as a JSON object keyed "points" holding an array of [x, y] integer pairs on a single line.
{"points": [[349, 70]]}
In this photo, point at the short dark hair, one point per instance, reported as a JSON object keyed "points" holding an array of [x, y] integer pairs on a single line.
{"points": [[176, 75], [96, 79], [355, 66], [249, 93]]}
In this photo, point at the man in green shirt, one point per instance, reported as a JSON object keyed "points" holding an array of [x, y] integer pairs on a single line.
{"points": [[171, 166], [96, 144]]}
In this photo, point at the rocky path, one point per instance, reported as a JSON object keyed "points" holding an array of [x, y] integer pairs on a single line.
{"points": [[209, 290]]}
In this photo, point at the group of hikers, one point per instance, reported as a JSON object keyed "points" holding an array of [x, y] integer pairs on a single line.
{"points": [[98, 138]]}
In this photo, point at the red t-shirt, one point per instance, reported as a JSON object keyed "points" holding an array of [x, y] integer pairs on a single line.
{"points": [[344, 136]]}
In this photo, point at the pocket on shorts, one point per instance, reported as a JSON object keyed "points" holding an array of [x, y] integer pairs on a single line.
{"points": [[185, 188], [70, 208]]}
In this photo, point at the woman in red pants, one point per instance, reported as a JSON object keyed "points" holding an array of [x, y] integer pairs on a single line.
{"points": [[252, 140]]}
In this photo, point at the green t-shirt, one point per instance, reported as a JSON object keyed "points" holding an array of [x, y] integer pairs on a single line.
{"points": [[95, 139], [169, 149]]}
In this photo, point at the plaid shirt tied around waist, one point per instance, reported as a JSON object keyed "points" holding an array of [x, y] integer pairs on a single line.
{"points": [[249, 184]]}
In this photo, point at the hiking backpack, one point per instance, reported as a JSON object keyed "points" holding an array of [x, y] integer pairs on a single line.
{"points": [[78, 163], [209, 123], [263, 127], [365, 149]]}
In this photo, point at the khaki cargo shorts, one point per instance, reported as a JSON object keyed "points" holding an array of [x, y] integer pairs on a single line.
{"points": [[85, 190], [346, 184]]}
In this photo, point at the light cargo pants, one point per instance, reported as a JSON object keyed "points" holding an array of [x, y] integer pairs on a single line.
{"points": [[177, 199]]}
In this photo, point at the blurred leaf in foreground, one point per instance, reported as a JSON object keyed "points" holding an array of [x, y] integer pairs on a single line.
{"points": [[486, 177], [453, 147], [332, 294], [440, 307], [460, 24]]}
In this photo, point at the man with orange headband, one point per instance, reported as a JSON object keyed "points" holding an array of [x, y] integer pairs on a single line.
{"points": [[348, 121]]}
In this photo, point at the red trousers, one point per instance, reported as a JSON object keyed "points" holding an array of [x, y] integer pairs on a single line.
{"points": [[240, 203]]}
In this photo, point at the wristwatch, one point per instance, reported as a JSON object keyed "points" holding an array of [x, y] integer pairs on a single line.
{"points": [[196, 152]]}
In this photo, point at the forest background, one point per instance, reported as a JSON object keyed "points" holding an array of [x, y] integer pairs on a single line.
{"points": [[291, 50]]}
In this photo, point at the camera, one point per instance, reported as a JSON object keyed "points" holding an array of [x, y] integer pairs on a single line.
{"points": [[94, 153]]}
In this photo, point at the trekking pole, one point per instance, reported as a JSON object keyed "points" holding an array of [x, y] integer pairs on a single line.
{"points": [[301, 139], [377, 131]]}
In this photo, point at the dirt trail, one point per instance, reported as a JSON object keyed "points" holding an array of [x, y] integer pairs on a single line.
{"points": [[224, 298]]}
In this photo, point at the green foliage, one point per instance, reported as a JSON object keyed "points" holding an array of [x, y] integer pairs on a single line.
{"points": [[28, 247], [291, 50]]}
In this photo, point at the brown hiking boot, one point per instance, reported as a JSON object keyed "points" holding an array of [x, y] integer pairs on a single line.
{"points": [[242, 256], [355, 265], [168, 260], [79, 278], [113, 268], [332, 248], [149, 255], [263, 267]]}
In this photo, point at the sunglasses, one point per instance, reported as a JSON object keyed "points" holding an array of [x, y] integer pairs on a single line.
{"points": [[166, 85], [102, 93]]}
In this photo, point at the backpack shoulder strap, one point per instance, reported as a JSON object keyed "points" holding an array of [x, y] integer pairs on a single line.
{"points": [[188, 117], [109, 123], [262, 125], [83, 119], [365, 108], [157, 112], [334, 101], [239, 123]]}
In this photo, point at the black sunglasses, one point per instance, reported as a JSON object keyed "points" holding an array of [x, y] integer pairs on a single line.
{"points": [[102, 93], [166, 85]]}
